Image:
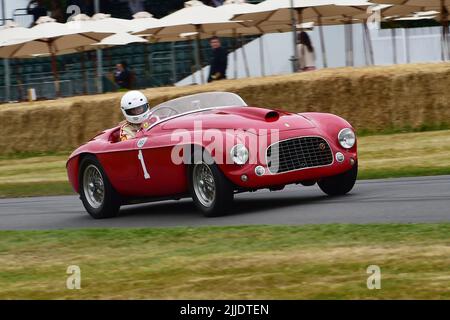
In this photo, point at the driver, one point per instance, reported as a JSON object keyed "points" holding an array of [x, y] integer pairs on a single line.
{"points": [[135, 108]]}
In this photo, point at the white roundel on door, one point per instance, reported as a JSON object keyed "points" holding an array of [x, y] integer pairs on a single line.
{"points": [[141, 142]]}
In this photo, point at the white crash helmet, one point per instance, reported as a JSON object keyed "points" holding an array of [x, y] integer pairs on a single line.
{"points": [[134, 106]]}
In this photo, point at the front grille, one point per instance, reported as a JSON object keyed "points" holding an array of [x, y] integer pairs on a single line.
{"points": [[298, 153]]}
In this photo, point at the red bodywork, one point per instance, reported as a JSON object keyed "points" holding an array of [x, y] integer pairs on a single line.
{"points": [[124, 169]]}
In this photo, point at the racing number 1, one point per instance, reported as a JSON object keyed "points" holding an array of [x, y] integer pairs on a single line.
{"points": [[144, 168]]}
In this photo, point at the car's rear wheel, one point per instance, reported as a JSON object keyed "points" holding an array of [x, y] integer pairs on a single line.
{"points": [[210, 189], [96, 192], [340, 184]]}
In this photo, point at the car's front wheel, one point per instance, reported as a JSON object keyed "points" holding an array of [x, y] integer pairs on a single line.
{"points": [[96, 192], [340, 184], [210, 189]]}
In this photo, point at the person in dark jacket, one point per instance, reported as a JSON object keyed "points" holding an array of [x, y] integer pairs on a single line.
{"points": [[37, 9], [219, 60], [122, 76]]}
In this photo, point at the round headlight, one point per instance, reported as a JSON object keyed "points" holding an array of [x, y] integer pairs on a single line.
{"points": [[239, 154], [347, 138]]}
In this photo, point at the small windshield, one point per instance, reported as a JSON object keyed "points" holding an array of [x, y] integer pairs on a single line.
{"points": [[194, 103]]}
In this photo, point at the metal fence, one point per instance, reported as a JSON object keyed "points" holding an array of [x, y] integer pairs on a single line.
{"points": [[44, 90]]}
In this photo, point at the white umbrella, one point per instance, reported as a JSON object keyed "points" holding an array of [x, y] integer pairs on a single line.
{"points": [[194, 17], [51, 37], [102, 22], [142, 21], [443, 6], [119, 39], [9, 32], [48, 36], [276, 11]]}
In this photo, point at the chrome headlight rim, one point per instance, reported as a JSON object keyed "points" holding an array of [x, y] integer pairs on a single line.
{"points": [[239, 154], [347, 138]]}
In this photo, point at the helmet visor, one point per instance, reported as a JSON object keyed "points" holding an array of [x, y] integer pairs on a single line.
{"points": [[138, 110]]}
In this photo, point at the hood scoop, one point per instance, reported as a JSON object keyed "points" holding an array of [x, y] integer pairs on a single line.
{"points": [[272, 116]]}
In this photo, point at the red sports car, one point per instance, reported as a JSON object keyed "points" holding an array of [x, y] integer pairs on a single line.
{"points": [[209, 146]]}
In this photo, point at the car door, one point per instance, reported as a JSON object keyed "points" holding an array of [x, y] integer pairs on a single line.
{"points": [[142, 167]]}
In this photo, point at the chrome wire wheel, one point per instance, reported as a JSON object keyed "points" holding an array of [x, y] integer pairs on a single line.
{"points": [[93, 186], [204, 184]]}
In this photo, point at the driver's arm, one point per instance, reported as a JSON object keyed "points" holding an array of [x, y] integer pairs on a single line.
{"points": [[127, 132]]}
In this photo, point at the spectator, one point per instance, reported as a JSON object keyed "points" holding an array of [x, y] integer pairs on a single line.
{"points": [[122, 76], [136, 6], [219, 60], [37, 9], [213, 3], [306, 54]]}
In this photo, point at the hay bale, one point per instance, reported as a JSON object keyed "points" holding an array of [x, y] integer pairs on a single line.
{"points": [[371, 98]]}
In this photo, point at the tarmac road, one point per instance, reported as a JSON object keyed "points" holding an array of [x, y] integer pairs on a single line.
{"points": [[406, 200]]}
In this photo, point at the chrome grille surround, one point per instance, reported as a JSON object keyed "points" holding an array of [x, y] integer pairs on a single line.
{"points": [[299, 153]]}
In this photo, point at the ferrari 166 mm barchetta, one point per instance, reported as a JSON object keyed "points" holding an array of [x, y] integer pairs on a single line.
{"points": [[210, 146]]}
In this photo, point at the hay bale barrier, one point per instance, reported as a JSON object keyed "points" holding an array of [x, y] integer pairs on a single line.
{"points": [[373, 99]]}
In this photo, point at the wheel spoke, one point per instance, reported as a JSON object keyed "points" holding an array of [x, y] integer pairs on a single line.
{"points": [[204, 184], [93, 185]]}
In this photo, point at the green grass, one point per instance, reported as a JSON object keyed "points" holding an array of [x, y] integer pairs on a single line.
{"points": [[249, 262], [380, 156], [32, 189]]}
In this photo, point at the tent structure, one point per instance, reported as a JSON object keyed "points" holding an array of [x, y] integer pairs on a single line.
{"points": [[196, 18], [443, 6], [376, 12], [293, 11], [234, 7]]}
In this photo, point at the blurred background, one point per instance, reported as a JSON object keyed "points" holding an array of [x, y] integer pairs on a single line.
{"points": [[174, 63]]}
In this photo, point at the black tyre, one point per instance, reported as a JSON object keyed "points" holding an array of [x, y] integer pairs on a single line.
{"points": [[210, 189], [340, 184], [96, 192]]}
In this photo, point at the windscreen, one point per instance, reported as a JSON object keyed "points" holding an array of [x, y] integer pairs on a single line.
{"points": [[196, 102]]}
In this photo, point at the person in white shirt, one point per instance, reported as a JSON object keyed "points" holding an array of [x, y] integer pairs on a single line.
{"points": [[306, 54]]}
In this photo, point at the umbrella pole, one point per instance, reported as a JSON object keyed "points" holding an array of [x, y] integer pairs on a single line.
{"points": [[322, 43], [56, 75], [294, 57], [147, 63], [54, 69], [194, 80], [406, 44], [83, 66], [7, 80], [174, 65], [366, 55], [261, 55], [99, 71], [99, 56], [349, 44], [235, 45], [369, 43], [244, 56], [394, 45], [197, 57], [445, 39]]}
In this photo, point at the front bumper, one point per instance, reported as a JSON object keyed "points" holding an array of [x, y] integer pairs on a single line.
{"points": [[245, 177]]}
